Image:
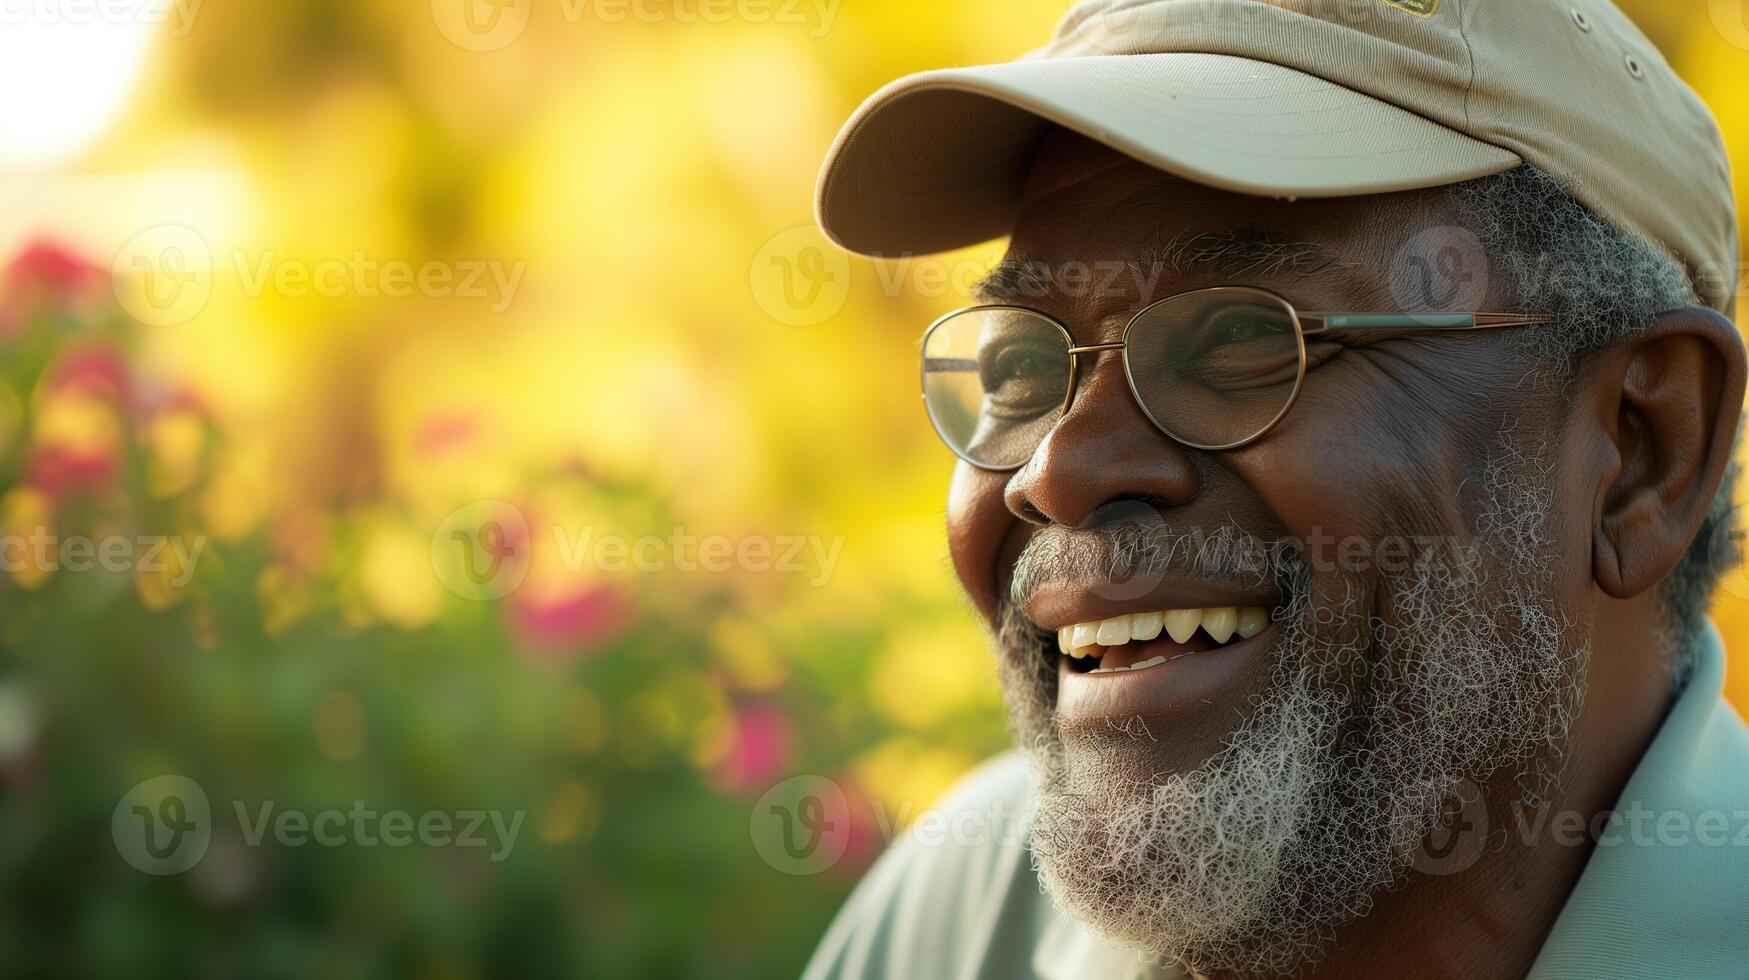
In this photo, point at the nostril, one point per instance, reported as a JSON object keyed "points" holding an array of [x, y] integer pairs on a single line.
{"points": [[1030, 513]]}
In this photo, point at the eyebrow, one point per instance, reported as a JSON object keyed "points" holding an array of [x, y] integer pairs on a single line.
{"points": [[1229, 255]]}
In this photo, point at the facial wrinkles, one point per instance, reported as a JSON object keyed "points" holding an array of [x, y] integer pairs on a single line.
{"points": [[1394, 692]]}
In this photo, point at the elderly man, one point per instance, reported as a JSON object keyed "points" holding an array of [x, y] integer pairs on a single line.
{"points": [[1345, 467]]}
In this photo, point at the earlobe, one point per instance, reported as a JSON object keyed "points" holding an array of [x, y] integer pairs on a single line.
{"points": [[1676, 390]]}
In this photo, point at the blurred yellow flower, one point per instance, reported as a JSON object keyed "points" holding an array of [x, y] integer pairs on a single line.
{"points": [[747, 654], [570, 812], [928, 671], [27, 523], [77, 422], [177, 443], [241, 490], [394, 576], [903, 776], [162, 573], [285, 598]]}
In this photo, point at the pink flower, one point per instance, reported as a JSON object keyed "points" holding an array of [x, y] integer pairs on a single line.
{"points": [[760, 744], [568, 623]]}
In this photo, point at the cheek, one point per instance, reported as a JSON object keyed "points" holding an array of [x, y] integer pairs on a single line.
{"points": [[1363, 471], [1353, 496], [1577, 514], [983, 537]]}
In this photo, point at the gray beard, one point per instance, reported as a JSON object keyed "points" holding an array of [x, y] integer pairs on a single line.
{"points": [[1380, 710]]}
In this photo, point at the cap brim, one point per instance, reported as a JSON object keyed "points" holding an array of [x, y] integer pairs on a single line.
{"points": [[938, 160]]}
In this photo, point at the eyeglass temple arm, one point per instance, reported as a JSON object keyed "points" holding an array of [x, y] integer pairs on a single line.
{"points": [[933, 364], [1317, 322]]}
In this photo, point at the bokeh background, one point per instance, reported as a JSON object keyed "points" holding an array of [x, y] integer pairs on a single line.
{"points": [[386, 317]]}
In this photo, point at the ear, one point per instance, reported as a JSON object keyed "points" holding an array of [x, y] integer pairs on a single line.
{"points": [[1668, 399]]}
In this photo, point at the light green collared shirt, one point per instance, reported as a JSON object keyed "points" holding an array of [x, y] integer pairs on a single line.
{"points": [[1665, 893]]}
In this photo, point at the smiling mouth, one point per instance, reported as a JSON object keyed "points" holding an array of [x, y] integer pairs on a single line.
{"points": [[1117, 644]]}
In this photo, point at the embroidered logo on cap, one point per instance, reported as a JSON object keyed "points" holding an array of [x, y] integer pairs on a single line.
{"points": [[1420, 8]]}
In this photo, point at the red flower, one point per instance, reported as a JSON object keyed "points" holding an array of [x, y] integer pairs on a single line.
{"points": [[91, 369], [77, 419], [58, 472], [569, 622], [46, 274]]}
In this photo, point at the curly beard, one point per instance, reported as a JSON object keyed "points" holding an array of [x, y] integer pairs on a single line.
{"points": [[1384, 703]]}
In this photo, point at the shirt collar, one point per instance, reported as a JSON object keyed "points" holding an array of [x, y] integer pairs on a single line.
{"points": [[1666, 899]]}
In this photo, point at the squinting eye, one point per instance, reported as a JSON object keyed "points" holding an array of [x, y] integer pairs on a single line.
{"points": [[1022, 381], [1012, 365], [1240, 327]]}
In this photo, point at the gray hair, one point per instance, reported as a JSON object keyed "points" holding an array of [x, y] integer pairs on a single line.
{"points": [[1603, 284]]}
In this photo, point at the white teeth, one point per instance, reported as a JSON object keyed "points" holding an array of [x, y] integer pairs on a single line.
{"points": [[1252, 619], [1150, 662], [1113, 632], [1221, 623], [1180, 623], [1081, 635], [1146, 626]]}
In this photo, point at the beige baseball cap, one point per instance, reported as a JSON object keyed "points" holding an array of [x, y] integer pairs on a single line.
{"points": [[1301, 98]]}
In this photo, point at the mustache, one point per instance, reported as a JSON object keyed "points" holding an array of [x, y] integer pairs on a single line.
{"points": [[1136, 555]]}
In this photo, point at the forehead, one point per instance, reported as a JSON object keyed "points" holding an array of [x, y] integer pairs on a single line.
{"points": [[1091, 207]]}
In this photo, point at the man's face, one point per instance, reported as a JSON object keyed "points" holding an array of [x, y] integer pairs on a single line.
{"points": [[1231, 801]]}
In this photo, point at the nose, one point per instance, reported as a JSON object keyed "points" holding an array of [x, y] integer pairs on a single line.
{"points": [[1101, 452]]}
